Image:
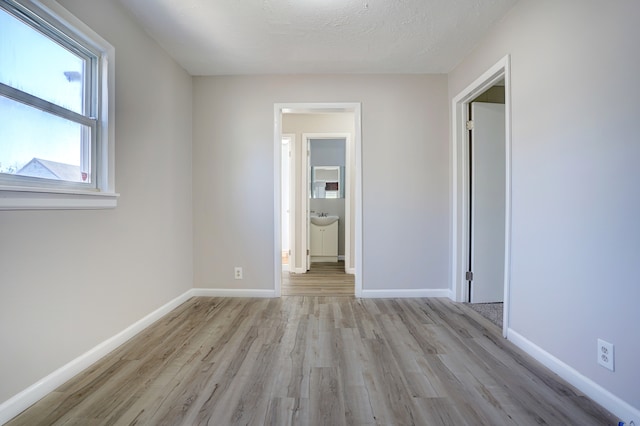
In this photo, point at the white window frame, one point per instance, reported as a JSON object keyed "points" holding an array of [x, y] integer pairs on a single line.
{"points": [[24, 193]]}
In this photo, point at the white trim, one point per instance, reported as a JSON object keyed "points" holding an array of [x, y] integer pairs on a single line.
{"points": [[305, 203], [23, 400], [506, 319], [277, 202], [349, 172], [460, 187], [54, 199], [351, 271], [355, 108], [602, 396], [232, 292], [406, 293], [358, 249]]}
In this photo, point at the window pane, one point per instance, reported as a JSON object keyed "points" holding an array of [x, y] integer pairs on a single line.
{"points": [[36, 143], [35, 64]]}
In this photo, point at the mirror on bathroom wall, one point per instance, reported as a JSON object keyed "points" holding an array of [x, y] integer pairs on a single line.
{"points": [[327, 182]]}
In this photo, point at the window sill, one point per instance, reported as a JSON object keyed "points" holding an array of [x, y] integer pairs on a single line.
{"points": [[25, 198]]}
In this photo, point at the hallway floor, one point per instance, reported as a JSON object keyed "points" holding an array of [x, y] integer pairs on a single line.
{"points": [[323, 279]]}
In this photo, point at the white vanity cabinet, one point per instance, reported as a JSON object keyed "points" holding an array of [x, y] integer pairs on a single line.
{"points": [[324, 243]]}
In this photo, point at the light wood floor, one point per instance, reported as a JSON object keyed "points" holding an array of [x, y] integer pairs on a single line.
{"points": [[317, 361], [323, 279]]}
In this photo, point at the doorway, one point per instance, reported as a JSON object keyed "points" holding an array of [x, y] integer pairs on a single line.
{"points": [[488, 246], [301, 184], [325, 169]]}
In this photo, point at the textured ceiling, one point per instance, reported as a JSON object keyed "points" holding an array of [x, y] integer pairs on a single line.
{"points": [[230, 37]]}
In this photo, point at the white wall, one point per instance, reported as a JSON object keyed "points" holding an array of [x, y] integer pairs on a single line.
{"points": [[405, 176], [575, 197], [71, 279]]}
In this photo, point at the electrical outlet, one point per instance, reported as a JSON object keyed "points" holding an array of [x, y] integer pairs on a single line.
{"points": [[605, 354], [237, 272]]}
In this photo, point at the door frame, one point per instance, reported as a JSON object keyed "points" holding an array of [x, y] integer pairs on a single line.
{"points": [[306, 138], [460, 182], [314, 108]]}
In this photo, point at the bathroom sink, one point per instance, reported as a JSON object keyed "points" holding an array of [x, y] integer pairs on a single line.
{"points": [[323, 220]]}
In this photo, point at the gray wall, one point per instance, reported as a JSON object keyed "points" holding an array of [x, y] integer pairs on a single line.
{"points": [[405, 175], [327, 152], [575, 198], [72, 279]]}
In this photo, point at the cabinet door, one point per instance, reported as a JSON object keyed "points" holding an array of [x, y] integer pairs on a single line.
{"points": [[330, 240], [316, 233]]}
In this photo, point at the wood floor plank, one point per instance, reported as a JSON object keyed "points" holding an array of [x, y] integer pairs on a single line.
{"points": [[357, 405], [299, 363], [443, 411], [389, 380], [313, 360], [326, 400], [286, 412]]}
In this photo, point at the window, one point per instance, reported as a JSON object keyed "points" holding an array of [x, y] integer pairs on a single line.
{"points": [[55, 134]]}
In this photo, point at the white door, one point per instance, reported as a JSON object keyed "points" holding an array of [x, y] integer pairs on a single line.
{"points": [[308, 209], [488, 202]]}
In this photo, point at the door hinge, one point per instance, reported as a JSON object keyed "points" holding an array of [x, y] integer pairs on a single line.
{"points": [[470, 125], [307, 252], [469, 276]]}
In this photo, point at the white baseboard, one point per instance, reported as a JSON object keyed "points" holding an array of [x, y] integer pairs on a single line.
{"points": [[615, 405], [351, 271], [229, 292], [23, 400], [395, 294]]}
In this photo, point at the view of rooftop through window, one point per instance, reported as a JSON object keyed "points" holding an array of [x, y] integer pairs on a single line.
{"points": [[33, 140]]}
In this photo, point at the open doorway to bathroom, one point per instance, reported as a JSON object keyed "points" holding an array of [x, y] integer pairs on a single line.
{"points": [[319, 204], [327, 199]]}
